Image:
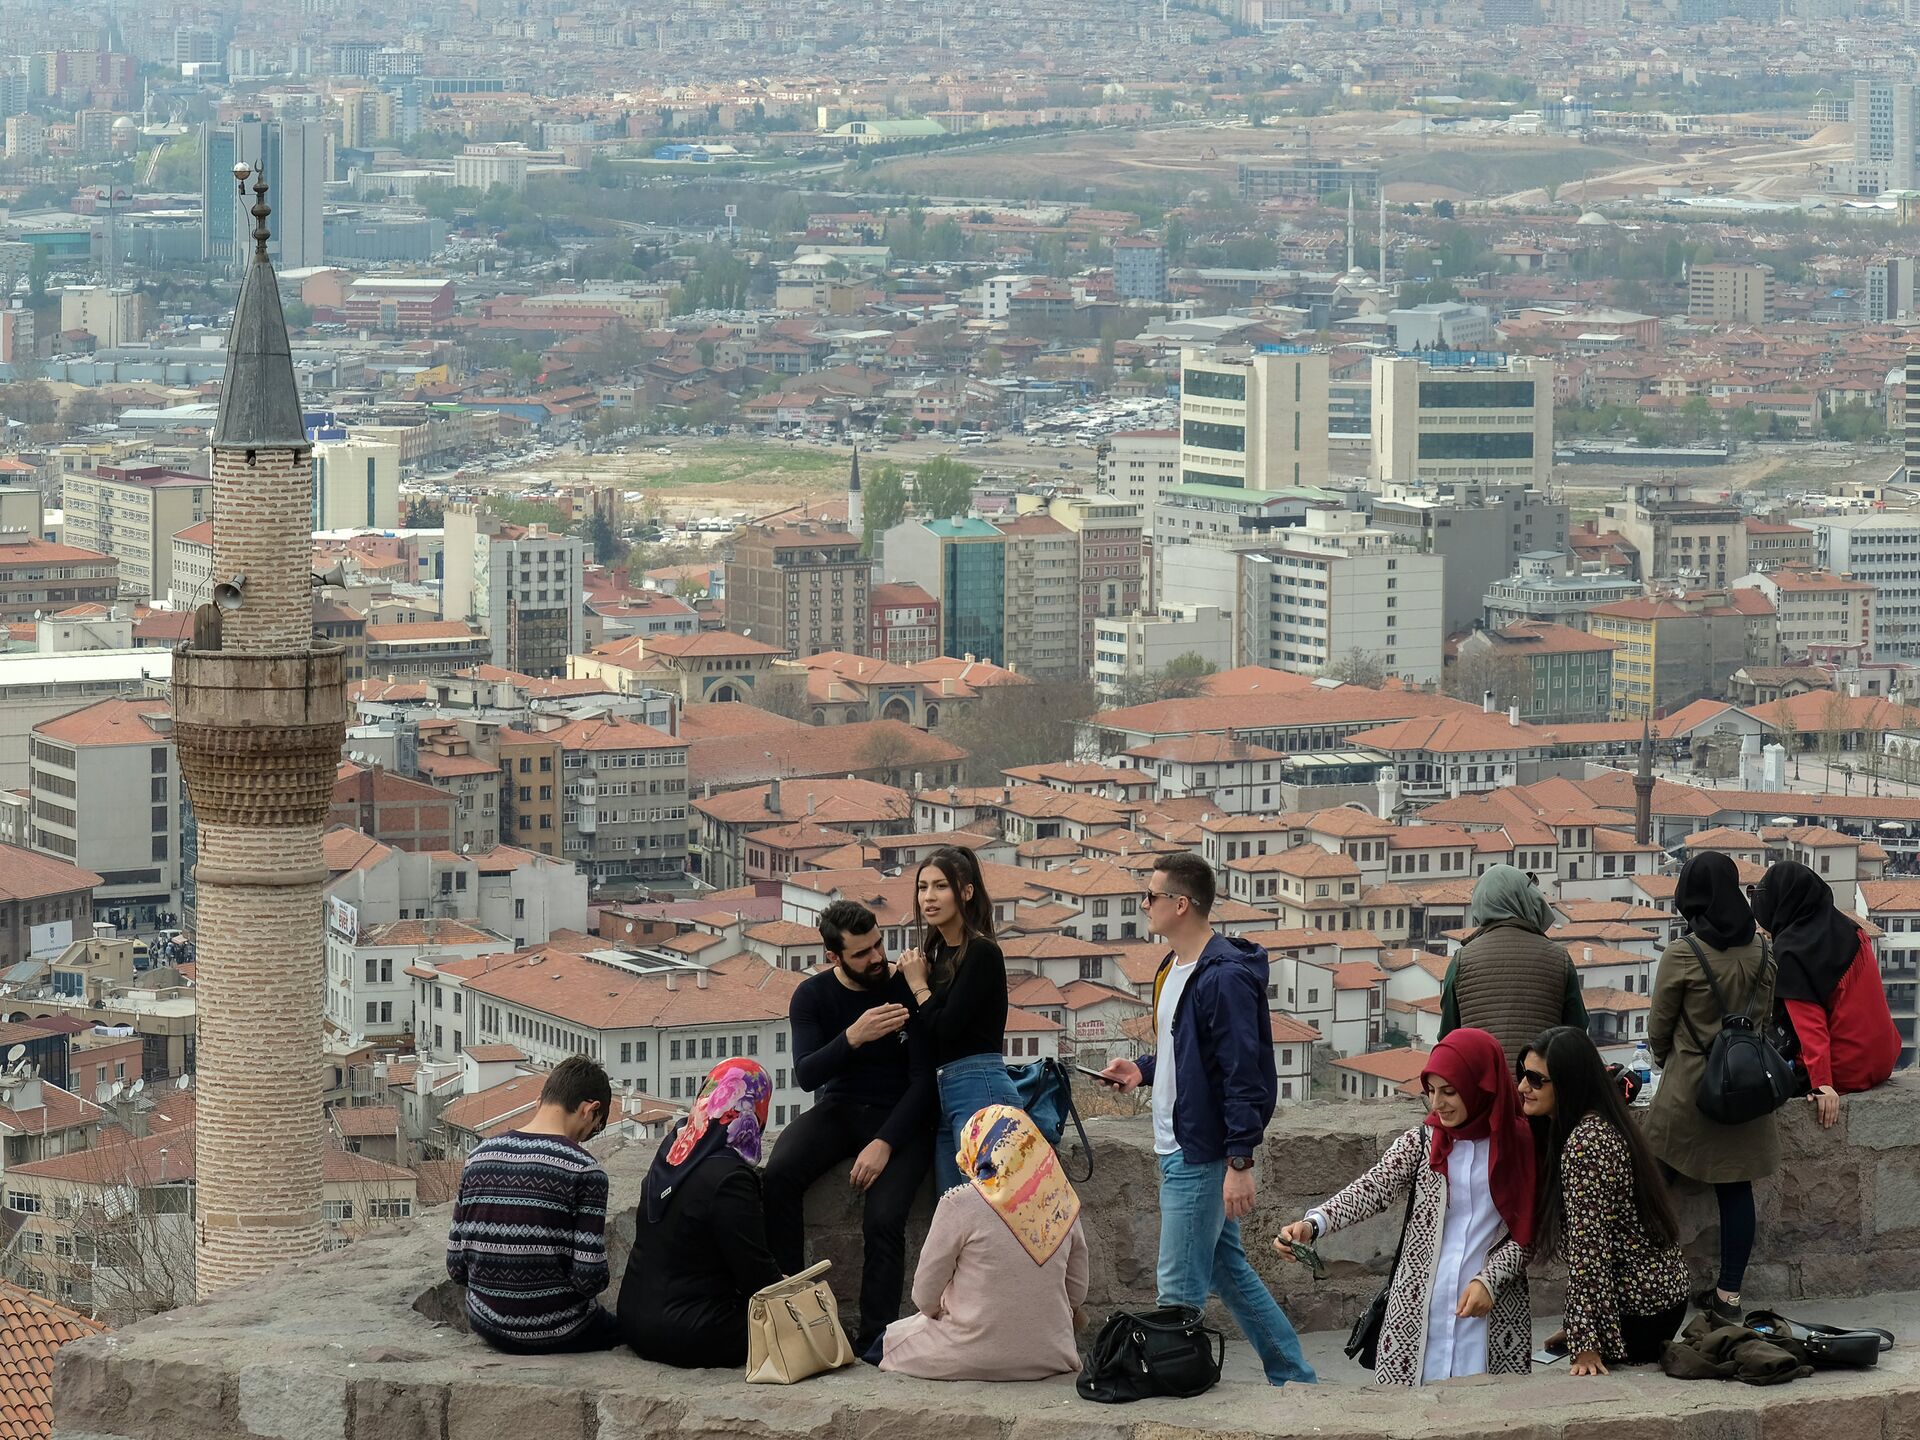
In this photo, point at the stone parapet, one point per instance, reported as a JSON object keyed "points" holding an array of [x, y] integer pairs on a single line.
{"points": [[259, 735], [349, 1346]]}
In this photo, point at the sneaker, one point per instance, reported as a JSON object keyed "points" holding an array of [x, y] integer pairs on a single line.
{"points": [[1720, 1312]]}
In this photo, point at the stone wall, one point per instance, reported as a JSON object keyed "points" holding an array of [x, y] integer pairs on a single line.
{"points": [[346, 1346]]}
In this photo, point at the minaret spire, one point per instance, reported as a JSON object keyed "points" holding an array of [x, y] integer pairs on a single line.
{"points": [[1643, 786], [856, 517], [1383, 237], [1351, 265]]}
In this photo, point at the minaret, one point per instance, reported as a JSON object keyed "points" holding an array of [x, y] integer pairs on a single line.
{"points": [[1352, 254], [1643, 787], [855, 514], [259, 717], [1383, 237]]}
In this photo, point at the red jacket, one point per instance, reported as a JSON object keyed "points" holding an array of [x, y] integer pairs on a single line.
{"points": [[1851, 1044]]}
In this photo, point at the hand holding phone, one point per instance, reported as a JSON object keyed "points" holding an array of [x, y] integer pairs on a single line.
{"points": [[1096, 1075]]}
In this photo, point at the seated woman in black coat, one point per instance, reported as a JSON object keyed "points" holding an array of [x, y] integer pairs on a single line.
{"points": [[700, 1244]]}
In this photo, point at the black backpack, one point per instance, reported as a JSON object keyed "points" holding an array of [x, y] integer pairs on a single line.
{"points": [[1746, 1076]]}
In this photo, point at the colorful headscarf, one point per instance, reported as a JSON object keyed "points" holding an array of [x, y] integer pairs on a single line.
{"points": [[1004, 1156], [1472, 1062], [731, 1111]]}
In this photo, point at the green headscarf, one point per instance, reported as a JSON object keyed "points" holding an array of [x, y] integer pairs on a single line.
{"points": [[1506, 894]]}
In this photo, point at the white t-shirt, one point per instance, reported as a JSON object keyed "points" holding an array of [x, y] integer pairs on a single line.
{"points": [[1163, 1068]]}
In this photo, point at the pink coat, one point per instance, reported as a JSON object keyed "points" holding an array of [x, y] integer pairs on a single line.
{"points": [[987, 1312]]}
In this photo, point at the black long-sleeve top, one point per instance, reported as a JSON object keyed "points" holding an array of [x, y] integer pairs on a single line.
{"points": [[894, 1072], [968, 1015]]}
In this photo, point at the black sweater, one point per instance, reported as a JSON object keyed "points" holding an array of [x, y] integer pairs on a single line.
{"points": [[684, 1298], [968, 1015], [894, 1073]]}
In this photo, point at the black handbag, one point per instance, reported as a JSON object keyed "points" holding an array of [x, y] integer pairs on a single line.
{"points": [[1828, 1347], [1746, 1076], [1363, 1344], [1144, 1354]]}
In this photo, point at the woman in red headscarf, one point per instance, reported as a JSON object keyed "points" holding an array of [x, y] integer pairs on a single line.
{"points": [[1458, 1302]]}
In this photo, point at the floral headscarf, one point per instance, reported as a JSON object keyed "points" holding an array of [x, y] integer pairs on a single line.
{"points": [[731, 1111], [1007, 1160]]}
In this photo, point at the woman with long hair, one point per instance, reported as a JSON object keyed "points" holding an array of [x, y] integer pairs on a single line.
{"points": [[1604, 1208], [1829, 981], [700, 1239], [958, 979], [1004, 1269], [1721, 943], [1458, 1300]]}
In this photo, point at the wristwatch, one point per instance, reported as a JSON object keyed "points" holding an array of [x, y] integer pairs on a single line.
{"points": [[1240, 1162]]}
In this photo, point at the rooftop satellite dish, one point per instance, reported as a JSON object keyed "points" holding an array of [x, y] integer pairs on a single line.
{"points": [[185, 1082], [137, 1086], [119, 1086], [16, 1054]]}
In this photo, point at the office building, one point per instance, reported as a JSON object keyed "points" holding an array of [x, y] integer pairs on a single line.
{"points": [[1253, 419], [133, 513], [1910, 419], [1697, 542], [1669, 652], [1199, 532], [1307, 180], [40, 578], [1340, 589], [800, 585], [481, 167], [356, 482], [1129, 647], [1137, 465], [1877, 549], [1730, 294], [1041, 631], [1140, 268], [1818, 615], [1480, 530], [964, 564], [1110, 550], [520, 585], [1470, 418], [1555, 674], [293, 155], [1442, 325], [1550, 586], [1890, 290], [1883, 137]]}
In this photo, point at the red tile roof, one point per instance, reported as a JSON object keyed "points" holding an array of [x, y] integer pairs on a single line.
{"points": [[109, 722], [27, 876], [32, 1331]]}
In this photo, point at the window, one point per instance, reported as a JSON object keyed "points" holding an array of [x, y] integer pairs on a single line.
{"points": [[25, 1204], [626, 1052], [337, 1210], [398, 1209], [706, 1047], [779, 1042], [673, 1088], [673, 1049], [753, 1045]]}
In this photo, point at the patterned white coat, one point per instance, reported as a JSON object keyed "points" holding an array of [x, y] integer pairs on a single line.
{"points": [[1403, 1335]]}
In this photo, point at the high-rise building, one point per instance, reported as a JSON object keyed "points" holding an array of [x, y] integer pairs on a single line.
{"points": [[964, 564], [1138, 465], [1910, 417], [800, 585], [112, 317], [259, 718], [293, 154], [1111, 532], [1883, 137], [356, 483], [1480, 530], [1253, 419], [1890, 289], [521, 585], [1879, 549], [1140, 267], [1472, 419], [134, 512], [1730, 294], [1042, 619], [1702, 543]]}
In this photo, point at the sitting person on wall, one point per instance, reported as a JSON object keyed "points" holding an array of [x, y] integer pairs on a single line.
{"points": [[1458, 1303], [529, 1229], [1004, 1270], [871, 1074], [1829, 981], [700, 1239], [1604, 1208]]}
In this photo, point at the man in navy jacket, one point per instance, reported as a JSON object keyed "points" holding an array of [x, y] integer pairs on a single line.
{"points": [[1213, 1093]]}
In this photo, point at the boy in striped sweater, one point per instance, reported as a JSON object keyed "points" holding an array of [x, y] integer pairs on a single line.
{"points": [[529, 1230]]}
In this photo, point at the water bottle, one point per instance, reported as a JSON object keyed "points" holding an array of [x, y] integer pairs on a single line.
{"points": [[1642, 1066]]}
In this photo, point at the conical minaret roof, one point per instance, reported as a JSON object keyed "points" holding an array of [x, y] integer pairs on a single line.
{"points": [[259, 399], [853, 481]]}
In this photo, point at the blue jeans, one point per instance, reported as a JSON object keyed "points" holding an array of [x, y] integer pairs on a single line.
{"points": [[967, 1086], [1200, 1253]]}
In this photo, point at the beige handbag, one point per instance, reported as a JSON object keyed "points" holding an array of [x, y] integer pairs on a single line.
{"points": [[793, 1330]]}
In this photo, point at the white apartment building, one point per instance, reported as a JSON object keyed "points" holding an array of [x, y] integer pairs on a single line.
{"points": [[1468, 423], [133, 512], [481, 167], [1253, 420], [1336, 589], [105, 792], [1878, 549], [112, 317], [1816, 613], [657, 1027], [521, 585], [356, 485], [1890, 290], [1129, 646], [1042, 625], [1138, 465], [997, 292]]}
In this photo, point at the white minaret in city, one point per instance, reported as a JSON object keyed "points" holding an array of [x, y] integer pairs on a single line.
{"points": [[1383, 237], [259, 716], [856, 519], [1352, 254]]}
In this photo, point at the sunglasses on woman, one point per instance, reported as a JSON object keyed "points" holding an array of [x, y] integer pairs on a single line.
{"points": [[1534, 1080]]}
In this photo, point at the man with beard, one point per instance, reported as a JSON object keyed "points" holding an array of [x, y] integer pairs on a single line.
{"points": [[871, 1076]]}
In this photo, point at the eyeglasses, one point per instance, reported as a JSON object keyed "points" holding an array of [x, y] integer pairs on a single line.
{"points": [[1534, 1080], [1146, 900]]}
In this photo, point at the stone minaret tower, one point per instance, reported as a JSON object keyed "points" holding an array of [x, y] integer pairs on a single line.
{"points": [[856, 519], [1643, 787], [259, 717]]}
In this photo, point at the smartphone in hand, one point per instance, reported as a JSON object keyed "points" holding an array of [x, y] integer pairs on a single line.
{"points": [[1096, 1075]]}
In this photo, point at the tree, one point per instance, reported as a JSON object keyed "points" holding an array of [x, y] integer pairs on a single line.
{"points": [[943, 487], [992, 363], [298, 315], [1011, 725], [1480, 666], [606, 545], [883, 504], [889, 752], [425, 514], [783, 691], [1181, 678], [1358, 667]]}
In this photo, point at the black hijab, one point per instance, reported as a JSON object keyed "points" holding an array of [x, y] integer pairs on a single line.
{"points": [[1815, 942], [1709, 898]]}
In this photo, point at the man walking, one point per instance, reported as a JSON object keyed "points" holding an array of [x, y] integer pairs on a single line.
{"points": [[529, 1229], [871, 1074], [1213, 1093]]}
